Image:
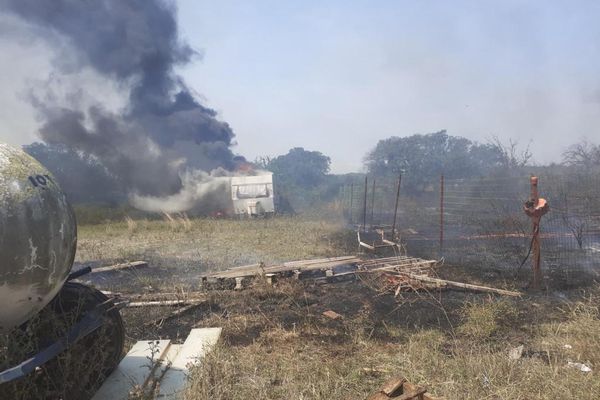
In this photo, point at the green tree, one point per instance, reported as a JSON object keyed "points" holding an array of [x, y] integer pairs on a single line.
{"points": [[300, 167], [422, 158], [301, 178]]}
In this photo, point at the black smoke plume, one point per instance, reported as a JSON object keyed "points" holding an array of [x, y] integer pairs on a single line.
{"points": [[163, 132]]}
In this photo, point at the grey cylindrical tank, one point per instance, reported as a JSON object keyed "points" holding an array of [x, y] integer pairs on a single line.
{"points": [[37, 237]]}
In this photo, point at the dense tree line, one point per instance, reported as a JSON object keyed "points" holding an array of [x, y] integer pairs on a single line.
{"points": [[302, 177], [423, 158]]}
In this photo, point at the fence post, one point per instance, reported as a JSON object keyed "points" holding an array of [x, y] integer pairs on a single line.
{"points": [[535, 208], [352, 203], [372, 202], [442, 215], [396, 206], [364, 225]]}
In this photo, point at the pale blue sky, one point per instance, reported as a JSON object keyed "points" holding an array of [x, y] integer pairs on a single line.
{"points": [[336, 76]]}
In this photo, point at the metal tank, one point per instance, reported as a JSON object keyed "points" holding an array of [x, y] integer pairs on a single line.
{"points": [[60, 338], [37, 237]]}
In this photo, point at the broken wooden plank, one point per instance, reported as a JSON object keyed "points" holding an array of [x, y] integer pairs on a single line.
{"points": [[332, 314], [461, 285], [407, 386], [399, 388], [320, 261], [392, 386], [164, 303], [383, 259], [174, 314], [286, 267], [393, 261], [158, 296], [258, 267], [412, 265], [121, 267]]}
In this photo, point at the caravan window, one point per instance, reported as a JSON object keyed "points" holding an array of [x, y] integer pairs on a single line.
{"points": [[251, 191]]}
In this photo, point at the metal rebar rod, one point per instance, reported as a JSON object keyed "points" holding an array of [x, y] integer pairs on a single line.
{"points": [[396, 206], [441, 215], [372, 203], [364, 225], [352, 203]]}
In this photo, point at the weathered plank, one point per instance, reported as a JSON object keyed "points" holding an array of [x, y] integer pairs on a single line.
{"points": [[165, 303], [120, 267], [306, 265], [461, 285]]}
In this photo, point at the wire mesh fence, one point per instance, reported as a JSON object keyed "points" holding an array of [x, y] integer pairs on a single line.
{"points": [[481, 221]]}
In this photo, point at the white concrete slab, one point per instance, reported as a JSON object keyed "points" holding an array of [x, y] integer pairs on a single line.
{"points": [[197, 345], [133, 370]]}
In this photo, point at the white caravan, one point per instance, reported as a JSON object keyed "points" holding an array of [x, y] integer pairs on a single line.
{"points": [[253, 195]]}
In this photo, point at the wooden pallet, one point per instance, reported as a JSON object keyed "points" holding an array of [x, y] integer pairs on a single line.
{"points": [[298, 269], [158, 364], [323, 268]]}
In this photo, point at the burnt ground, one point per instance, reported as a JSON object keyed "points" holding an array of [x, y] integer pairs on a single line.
{"points": [[277, 344]]}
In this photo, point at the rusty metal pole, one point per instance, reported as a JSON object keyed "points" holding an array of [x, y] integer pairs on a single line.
{"points": [[372, 202], [536, 247], [396, 206], [536, 208], [441, 215], [364, 226], [352, 203]]}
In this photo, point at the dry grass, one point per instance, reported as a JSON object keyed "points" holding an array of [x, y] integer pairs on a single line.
{"points": [[278, 345], [267, 354], [212, 243]]}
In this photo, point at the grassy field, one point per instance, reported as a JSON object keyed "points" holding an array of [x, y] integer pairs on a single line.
{"points": [[180, 250], [278, 345]]}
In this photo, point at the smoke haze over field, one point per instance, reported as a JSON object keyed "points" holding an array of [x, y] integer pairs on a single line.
{"points": [[160, 137], [334, 76]]}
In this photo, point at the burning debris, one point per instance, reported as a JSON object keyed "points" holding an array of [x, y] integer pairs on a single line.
{"points": [[162, 144]]}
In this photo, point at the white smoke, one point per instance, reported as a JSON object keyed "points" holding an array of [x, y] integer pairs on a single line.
{"points": [[199, 191]]}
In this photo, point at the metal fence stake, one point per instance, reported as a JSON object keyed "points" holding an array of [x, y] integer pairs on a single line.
{"points": [[441, 215], [372, 202], [396, 206], [364, 225]]}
